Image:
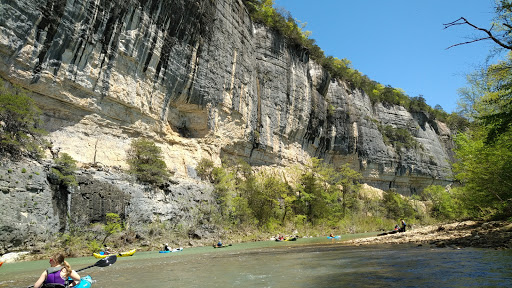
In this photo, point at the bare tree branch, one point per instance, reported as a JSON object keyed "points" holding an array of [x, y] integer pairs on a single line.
{"points": [[463, 21], [463, 43]]}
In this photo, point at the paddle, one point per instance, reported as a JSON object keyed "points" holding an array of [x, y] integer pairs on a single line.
{"points": [[101, 263]]}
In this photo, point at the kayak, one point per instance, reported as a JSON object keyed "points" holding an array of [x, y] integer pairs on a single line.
{"points": [[287, 239], [1, 264], [85, 282], [122, 254], [222, 246], [173, 250], [335, 237], [387, 233]]}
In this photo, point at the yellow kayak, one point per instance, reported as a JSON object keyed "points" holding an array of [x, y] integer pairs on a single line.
{"points": [[121, 254]]}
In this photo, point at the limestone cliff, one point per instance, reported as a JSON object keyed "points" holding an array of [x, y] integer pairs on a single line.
{"points": [[204, 81]]}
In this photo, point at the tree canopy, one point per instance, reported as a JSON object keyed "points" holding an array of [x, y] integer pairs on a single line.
{"points": [[484, 152]]}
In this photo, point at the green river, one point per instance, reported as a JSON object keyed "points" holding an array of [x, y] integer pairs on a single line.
{"points": [[311, 262]]}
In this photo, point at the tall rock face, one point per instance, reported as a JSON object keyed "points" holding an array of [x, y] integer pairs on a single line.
{"points": [[204, 81]]}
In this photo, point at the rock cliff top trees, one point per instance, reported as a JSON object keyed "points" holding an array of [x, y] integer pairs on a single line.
{"points": [[263, 11]]}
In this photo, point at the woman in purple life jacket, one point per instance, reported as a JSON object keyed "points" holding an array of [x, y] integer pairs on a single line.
{"points": [[58, 273]]}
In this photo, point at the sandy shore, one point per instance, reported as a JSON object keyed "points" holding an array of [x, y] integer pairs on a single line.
{"points": [[496, 235]]}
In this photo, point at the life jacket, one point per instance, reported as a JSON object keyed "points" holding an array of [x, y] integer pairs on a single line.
{"points": [[53, 278]]}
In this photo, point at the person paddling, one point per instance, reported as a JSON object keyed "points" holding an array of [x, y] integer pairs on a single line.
{"points": [[58, 273]]}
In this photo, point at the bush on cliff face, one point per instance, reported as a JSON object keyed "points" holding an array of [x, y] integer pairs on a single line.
{"points": [[64, 169], [398, 137], [19, 121], [204, 169], [145, 160]]}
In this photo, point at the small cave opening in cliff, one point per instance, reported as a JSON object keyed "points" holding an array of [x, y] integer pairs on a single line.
{"points": [[189, 123], [183, 130]]}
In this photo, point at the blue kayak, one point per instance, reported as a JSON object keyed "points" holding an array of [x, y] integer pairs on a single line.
{"points": [[335, 237], [173, 250], [85, 282]]}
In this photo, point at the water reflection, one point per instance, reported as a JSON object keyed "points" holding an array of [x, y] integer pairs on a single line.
{"points": [[265, 264]]}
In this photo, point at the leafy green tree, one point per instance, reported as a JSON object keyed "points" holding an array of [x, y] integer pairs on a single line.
{"points": [[397, 206], [114, 225], [225, 189], [65, 167], [20, 133], [349, 180], [264, 197], [204, 169], [418, 104], [495, 112], [484, 169], [457, 123], [469, 97], [443, 203], [310, 201], [146, 163]]}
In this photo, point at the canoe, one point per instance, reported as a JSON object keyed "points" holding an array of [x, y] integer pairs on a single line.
{"points": [[122, 254], [335, 237], [173, 250]]}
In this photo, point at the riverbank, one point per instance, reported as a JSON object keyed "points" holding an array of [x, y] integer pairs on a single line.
{"points": [[478, 234]]}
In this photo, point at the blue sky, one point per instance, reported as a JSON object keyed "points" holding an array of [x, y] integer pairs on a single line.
{"points": [[401, 43]]}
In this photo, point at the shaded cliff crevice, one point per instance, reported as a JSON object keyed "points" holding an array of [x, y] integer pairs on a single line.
{"points": [[95, 199], [51, 15]]}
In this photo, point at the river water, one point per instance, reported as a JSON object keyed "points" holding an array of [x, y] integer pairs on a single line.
{"points": [[315, 262]]}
